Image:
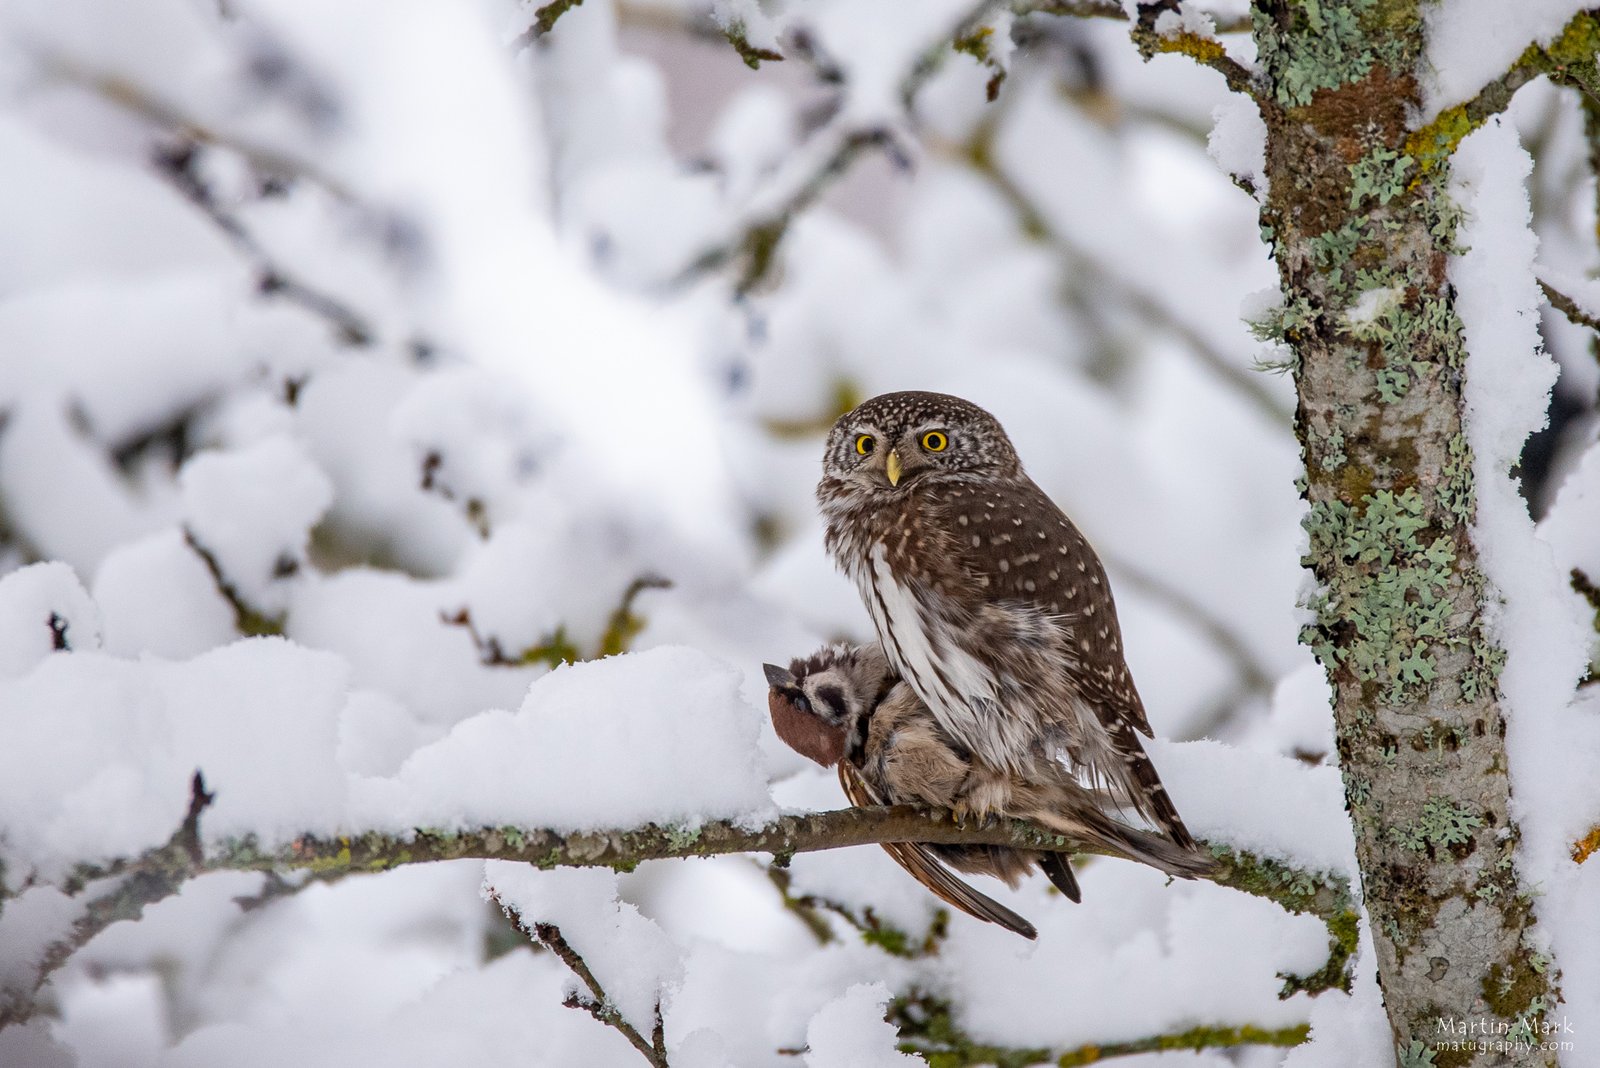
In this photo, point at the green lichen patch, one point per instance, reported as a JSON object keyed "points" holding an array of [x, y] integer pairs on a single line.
{"points": [[1286, 323], [1379, 176], [1443, 823], [1310, 45], [1387, 603], [1417, 1054]]}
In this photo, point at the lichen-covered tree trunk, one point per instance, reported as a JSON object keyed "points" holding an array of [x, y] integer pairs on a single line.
{"points": [[1362, 229]]}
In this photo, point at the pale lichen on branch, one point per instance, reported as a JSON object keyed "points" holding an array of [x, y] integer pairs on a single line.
{"points": [[141, 881]]}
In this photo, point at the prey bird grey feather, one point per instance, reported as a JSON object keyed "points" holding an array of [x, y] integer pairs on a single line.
{"points": [[845, 705]]}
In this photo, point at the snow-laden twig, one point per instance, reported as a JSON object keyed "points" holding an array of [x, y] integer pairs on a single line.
{"points": [[250, 620], [1576, 313], [1568, 59], [597, 1003], [134, 885], [754, 242], [622, 626], [177, 163], [1108, 9]]}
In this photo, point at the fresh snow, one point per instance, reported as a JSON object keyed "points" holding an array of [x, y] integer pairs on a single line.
{"points": [[553, 399]]}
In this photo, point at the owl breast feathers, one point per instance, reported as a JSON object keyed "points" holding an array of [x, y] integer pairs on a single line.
{"points": [[986, 598]]}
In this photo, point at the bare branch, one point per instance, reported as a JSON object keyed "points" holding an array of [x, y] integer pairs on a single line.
{"points": [[1575, 312], [597, 1004]]}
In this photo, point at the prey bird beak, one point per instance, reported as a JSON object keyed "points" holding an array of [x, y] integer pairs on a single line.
{"points": [[891, 467], [777, 676]]}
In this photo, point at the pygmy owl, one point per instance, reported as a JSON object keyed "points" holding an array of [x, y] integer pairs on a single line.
{"points": [[987, 601], [845, 706]]}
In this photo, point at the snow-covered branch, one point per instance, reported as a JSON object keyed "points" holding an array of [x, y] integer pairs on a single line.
{"points": [[122, 889], [1567, 58]]}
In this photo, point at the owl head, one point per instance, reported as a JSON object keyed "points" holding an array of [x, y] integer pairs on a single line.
{"points": [[901, 439], [820, 704]]}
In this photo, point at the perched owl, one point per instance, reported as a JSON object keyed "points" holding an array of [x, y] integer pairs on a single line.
{"points": [[845, 706], [987, 601]]}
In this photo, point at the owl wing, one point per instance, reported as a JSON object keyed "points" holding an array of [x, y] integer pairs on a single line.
{"points": [[1025, 553], [926, 869], [1046, 601]]}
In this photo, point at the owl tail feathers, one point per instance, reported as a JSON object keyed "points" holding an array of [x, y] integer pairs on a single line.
{"points": [[1093, 827], [1141, 789]]}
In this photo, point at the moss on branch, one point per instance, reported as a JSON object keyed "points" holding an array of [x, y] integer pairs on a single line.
{"points": [[928, 1029], [1569, 58]]}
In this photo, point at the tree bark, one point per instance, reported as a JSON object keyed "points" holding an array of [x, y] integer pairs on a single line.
{"points": [[1362, 228]]}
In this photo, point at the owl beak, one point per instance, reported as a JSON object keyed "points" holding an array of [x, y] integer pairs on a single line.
{"points": [[891, 467]]}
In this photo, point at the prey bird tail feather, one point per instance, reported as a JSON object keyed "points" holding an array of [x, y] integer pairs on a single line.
{"points": [[920, 863]]}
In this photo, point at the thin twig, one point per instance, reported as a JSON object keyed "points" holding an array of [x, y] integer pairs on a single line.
{"points": [[177, 164], [249, 620], [755, 241], [1575, 312], [140, 101], [597, 1004]]}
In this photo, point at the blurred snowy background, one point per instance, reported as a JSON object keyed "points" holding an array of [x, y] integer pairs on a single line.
{"points": [[362, 362]]}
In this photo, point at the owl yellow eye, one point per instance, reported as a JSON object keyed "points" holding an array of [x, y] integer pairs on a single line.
{"points": [[934, 441], [865, 444]]}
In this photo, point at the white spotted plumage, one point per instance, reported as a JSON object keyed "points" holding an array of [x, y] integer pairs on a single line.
{"points": [[986, 598], [965, 696]]}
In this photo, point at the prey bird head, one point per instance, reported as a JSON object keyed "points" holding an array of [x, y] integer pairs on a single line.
{"points": [[820, 704]]}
